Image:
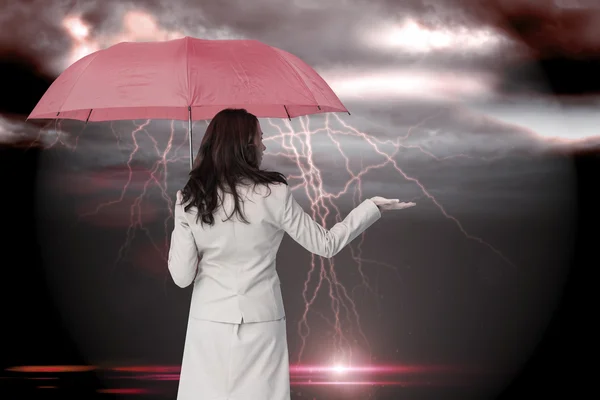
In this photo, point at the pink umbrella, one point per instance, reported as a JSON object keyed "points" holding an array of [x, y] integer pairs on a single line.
{"points": [[189, 79]]}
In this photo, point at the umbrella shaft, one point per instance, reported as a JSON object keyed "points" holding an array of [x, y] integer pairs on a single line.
{"points": [[190, 136]]}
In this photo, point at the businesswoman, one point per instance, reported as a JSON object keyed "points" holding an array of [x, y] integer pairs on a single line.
{"points": [[230, 219]]}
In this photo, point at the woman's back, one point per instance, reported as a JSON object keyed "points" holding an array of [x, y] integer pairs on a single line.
{"points": [[236, 276], [232, 240]]}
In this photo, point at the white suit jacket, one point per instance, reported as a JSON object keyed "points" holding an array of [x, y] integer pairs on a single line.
{"points": [[232, 264]]}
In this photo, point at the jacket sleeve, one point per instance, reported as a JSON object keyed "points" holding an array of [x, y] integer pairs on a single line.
{"points": [[318, 240], [183, 254]]}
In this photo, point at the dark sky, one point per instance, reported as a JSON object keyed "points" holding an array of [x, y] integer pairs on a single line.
{"points": [[501, 143]]}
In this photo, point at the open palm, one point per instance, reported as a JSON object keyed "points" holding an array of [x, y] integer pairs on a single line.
{"points": [[390, 204]]}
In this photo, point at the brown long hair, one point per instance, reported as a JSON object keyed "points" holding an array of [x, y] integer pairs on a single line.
{"points": [[227, 155]]}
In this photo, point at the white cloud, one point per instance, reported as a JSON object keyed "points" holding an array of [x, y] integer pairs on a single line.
{"points": [[14, 129], [548, 119], [422, 84], [412, 37]]}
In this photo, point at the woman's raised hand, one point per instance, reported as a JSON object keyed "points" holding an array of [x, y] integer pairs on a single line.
{"points": [[390, 204]]}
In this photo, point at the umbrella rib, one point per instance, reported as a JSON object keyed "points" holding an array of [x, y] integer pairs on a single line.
{"points": [[88, 117], [287, 112]]}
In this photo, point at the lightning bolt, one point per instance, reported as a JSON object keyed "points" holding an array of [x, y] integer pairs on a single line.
{"points": [[157, 177], [322, 203]]}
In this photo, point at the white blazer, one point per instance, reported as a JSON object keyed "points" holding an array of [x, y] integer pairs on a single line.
{"points": [[232, 264]]}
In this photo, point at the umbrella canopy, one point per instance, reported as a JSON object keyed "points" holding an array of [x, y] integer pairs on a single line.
{"points": [[186, 79]]}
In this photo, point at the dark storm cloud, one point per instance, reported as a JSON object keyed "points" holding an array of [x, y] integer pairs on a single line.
{"points": [[323, 34], [563, 39], [331, 34], [556, 42], [40, 32], [546, 27], [34, 27]]}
